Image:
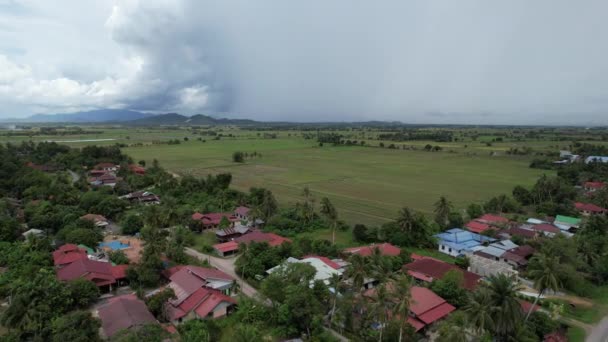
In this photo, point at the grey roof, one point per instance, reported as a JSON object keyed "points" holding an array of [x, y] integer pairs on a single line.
{"points": [[504, 244], [491, 250]]}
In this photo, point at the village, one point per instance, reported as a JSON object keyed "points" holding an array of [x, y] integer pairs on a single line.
{"points": [[491, 248]]}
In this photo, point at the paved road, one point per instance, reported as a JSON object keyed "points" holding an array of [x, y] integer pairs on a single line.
{"points": [[227, 266], [599, 332]]}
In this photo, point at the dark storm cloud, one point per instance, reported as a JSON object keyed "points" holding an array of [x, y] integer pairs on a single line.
{"points": [[413, 61]]}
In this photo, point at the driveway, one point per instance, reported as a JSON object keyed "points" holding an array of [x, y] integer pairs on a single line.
{"points": [[227, 266], [599, 332]]}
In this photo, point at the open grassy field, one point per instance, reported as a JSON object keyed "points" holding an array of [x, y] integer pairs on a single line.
{"points": [[367, 184]]}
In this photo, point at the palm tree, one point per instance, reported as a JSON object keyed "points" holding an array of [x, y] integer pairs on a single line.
{"points": [[402, 292], [334, 282], [357, 271], [507, 313], [544, 270], [329, 211], [479, 311], [405, 221], [443, 207], [453, 329], [382, 304], [379, 266]]}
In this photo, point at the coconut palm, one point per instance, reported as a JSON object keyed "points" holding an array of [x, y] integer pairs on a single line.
{"points": [[479, 311], [329, 211], [544, 270], [334, 283], [382, 305], [442, 210], [402, 292], [406, 220], [357, 271], [453, 329], [507, 313]]}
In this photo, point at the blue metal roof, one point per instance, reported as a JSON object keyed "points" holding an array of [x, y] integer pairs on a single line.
{"points": [[459, 239]]}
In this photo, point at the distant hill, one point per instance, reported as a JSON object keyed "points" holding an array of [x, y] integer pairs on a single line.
{"points": [[178, 119], [93, 116]]}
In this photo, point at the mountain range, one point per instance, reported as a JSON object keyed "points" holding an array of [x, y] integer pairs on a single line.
{"points": [[128, 117]]}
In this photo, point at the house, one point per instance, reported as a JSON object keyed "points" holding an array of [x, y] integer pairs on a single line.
{"points": [[101, 273], [231, 247], [385, 249], [427, 269], [231, 233], [596, 159], [136, 169], [123, 312], [567, 222], [593, 186], [200, 293], [242, 213], [107, 167], [588, 209], [525, 231], [547, 229], [495, 250], [213, 220], [426, 307], [43, 167], [456, 241], [98, 220], [106, 179], [67, 254], [485, 267], [325, 268], [143, 197], [486, 222], [518, 257]]}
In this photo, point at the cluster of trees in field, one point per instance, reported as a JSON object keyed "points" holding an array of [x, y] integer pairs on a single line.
{"points": [[415, 134], [240, 157]]}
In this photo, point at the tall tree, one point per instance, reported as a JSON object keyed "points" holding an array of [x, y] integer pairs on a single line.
{"points": [[507, 313], [402, 292], [329, 211], [382, 305], [357, 271], [442, 210], [544, 270], [479, 311]]}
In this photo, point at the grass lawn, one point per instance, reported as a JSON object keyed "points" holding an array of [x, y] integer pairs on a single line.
{"points": [[343, 238], [367, 185], [576, 334], [432, 253], [204, 239], [589, 315]]}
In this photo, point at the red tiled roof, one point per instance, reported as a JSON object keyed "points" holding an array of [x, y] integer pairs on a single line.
{"points": [[172, 270], [589, 207], [418, 325], [137, 169], [489, 218], [325, 260], [211, 302], [197, 216], [594, 185], [257, 236], [216, 218], [385, 249], [124, 312], [119, 271], [98, 272], [67, 254], [477, 227], [105, 165], [427, 306], [524, 251], [243, 211], [226, 246], [435, 269], [527, 233], [545, 227]]}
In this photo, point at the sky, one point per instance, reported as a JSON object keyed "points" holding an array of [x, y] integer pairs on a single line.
{"points": [[423, 61]]}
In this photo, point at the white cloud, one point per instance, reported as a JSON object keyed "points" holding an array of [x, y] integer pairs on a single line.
{"points": [[433, 61]]}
